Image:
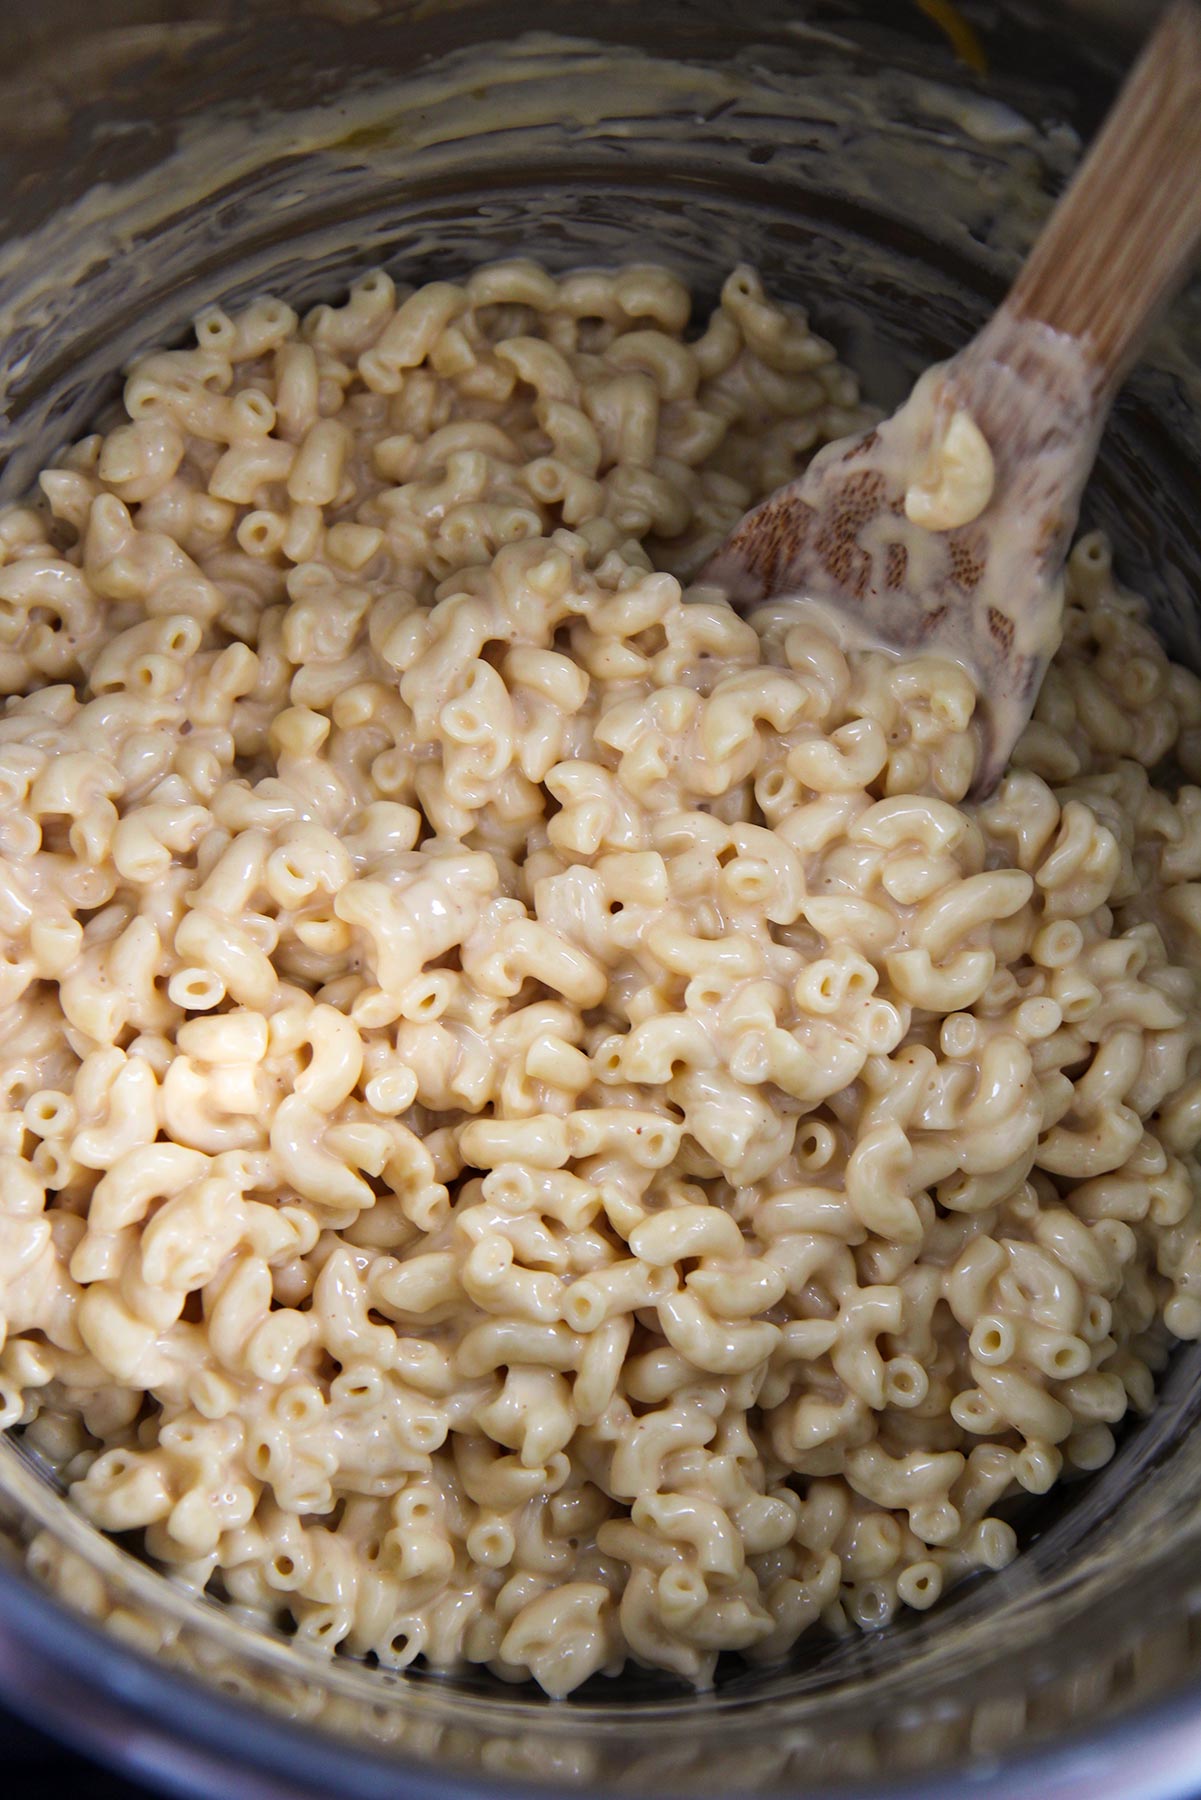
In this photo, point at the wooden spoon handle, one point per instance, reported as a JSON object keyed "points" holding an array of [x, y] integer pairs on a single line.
{"points": [[1123, 236]]}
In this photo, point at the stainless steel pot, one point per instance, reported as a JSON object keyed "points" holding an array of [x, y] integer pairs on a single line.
{"points": [[156, 155]]}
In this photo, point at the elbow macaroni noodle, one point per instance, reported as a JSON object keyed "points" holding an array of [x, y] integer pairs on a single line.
{"points": [[537, 1127]]}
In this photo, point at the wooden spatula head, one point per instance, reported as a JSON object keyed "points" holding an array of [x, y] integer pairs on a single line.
{"points": [[943, 530], [1002, 437]]}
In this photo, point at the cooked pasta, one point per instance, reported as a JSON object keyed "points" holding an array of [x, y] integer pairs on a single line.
{"points": [[538, 1127]]}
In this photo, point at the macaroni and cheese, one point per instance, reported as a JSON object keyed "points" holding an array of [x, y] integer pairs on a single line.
{"points": [[537, 1127]]}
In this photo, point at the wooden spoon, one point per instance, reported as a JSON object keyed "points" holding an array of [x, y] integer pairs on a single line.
{"points": [[942, 531]]}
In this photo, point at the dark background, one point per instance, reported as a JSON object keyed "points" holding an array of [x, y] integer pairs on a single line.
{"points": [[35, 1764]]}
